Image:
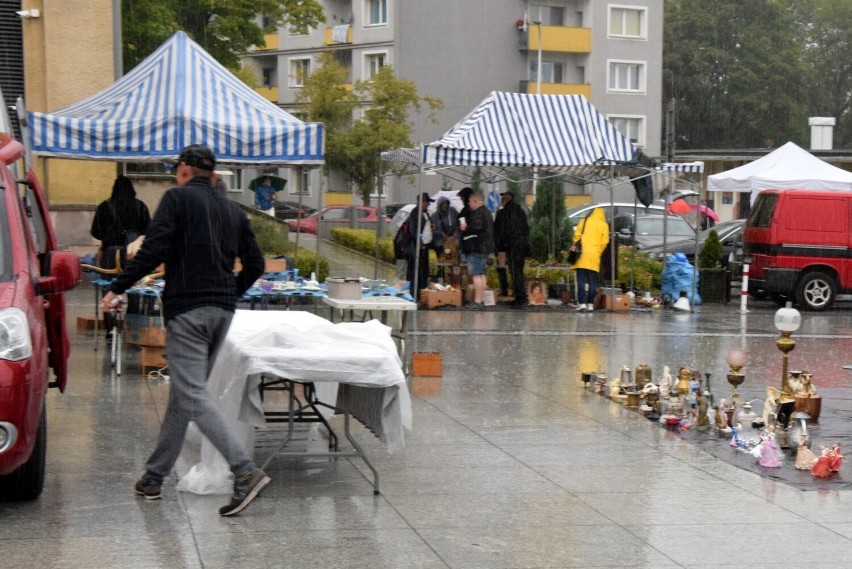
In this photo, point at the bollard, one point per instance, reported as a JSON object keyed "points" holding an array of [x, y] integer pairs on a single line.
{"points": [[744, 290]]}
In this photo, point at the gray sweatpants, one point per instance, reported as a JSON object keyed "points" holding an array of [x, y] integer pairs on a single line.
{"points": [[192, 341]]}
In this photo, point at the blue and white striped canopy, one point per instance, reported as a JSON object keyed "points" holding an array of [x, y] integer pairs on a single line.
{"points": [[179, 95], [559, 132]]}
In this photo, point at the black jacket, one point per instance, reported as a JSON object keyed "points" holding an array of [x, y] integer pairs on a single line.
{"points": [[198, 233], [479, 235], [114, 217], [512, 230]]}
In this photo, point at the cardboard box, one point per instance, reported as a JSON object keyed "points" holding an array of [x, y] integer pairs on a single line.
{"points": [[434, 298], [344, 289], [151, 336], [612, 302], [429, 364], [88, 323]]}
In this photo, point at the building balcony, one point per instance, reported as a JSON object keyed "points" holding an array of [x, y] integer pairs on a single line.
{"points": [[531, 88], [271, 41], [558, 39], [328, 38], [268, 93]]}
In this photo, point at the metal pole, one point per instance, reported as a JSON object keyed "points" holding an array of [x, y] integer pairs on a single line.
{"points": [[118, 60], [538, 92], [380, 221]]}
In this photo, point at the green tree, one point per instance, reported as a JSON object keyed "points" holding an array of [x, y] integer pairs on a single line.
{"points": [[354, 148], [550, 231], [224, 28], [737, 72]]}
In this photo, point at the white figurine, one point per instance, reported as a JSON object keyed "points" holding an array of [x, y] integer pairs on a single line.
{"points": [[666, 382], [772, 396]]}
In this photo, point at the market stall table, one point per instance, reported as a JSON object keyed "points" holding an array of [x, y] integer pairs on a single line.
{"points": [[300, 347]]}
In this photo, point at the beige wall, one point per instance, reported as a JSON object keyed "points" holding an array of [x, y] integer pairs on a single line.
{"points": [[68, 56]]}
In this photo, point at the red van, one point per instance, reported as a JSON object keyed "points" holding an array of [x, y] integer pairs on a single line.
{"points": [[799, 246], [33, 338]]}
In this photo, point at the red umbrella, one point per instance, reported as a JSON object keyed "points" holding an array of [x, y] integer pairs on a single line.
{"points": [[679, 207], [706, 211]]}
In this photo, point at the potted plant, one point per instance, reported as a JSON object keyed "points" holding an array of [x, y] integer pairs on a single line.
{"points": [[713, 278]]}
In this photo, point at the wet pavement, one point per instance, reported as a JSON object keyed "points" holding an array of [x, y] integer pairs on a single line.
{"points": [[511, 462]]}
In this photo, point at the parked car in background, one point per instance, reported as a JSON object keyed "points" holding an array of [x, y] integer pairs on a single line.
{"points": [[291, 210], [334, 214], [730, 234], [392, 208], [647, 230], [33, 339], [575, 214]]}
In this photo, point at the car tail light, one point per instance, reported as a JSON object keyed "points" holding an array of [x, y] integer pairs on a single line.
{"points": [[15, 342]]}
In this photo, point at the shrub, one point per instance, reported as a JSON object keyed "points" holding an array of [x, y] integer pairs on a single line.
{"points": [[364, 241], [711, 253], [647, 271]]}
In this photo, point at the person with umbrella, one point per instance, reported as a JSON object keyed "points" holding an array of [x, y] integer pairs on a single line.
{"points": [[264, 196]]}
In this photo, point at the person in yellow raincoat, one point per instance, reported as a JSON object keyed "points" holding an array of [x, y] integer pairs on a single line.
{"points": [[593, 233]]}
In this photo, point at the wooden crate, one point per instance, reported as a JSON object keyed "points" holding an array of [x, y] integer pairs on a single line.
{"points": [[429, 364], [152, 356]]}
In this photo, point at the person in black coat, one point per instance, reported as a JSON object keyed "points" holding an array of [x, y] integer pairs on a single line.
{"points": [[512, 238], [477, 243], [418, 273]]}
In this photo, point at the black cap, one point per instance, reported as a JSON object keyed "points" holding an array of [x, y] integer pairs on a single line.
{"points": [[509, 194], [198, 156], [424, 197], [465, 192]]}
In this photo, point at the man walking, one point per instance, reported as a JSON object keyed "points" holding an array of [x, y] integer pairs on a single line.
{"points": [[198, 233], [512, 238]]}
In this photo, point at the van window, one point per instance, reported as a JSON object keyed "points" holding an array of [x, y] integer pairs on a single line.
{"points": [[761, 212]]}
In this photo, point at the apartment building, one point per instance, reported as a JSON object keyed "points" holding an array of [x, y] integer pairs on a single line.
{"points": [[461, 50]]}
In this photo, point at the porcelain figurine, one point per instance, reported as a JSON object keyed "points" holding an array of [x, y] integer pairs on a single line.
{"points": [[770, 454], [722, 418], [771, 403], [805, 458], [736, 441], [835, 461], [666, 382], [821, 467], [614, 387]]}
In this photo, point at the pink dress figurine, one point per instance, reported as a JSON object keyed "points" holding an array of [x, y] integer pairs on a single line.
{"points": [[770, 454], [835, 458], [822, 469], [805, 459]]}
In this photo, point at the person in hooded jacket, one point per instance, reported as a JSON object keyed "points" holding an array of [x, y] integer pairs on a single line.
{"points": [[445, 230], [593, 233], [512, 238], [116, 218]]}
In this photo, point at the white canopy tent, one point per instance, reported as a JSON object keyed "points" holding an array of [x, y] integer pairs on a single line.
{"points": [[788, 167]]}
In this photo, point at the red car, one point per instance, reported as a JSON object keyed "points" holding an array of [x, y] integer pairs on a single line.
{"points": [[334, 215], [32, 324]]}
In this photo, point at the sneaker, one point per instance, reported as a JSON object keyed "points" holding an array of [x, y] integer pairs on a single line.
{"points": [[581, 307], [590, 308], [475, 306], [246, 488], [149, 488]]}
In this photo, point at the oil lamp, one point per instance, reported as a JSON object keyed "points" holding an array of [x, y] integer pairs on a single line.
{"points": [[787, 320], [736, 359]]}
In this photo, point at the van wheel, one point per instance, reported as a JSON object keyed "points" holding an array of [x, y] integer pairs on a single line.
{"points": [[816, 291]]}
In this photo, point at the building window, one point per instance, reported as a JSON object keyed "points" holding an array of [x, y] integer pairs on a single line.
{"points": [[299, 71], [299, 184], [627, 22], [377, 12], [373, 62], [631, 126], [381, 190], [269, 77], [550, 15], [551, 72], [626, 76]]}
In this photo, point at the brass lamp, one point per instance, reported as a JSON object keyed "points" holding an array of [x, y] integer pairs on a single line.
{"points": [[736, 359], [787, 320]]}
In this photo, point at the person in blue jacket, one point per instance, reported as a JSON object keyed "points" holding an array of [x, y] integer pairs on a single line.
{"points": [[678, 276]]}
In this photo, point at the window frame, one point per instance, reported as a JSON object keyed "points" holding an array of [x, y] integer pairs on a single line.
{"points": [[611, 75], [643, 22], [368, 13], [291, 75], [642, 122], [552, 66], [367, 72]]}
